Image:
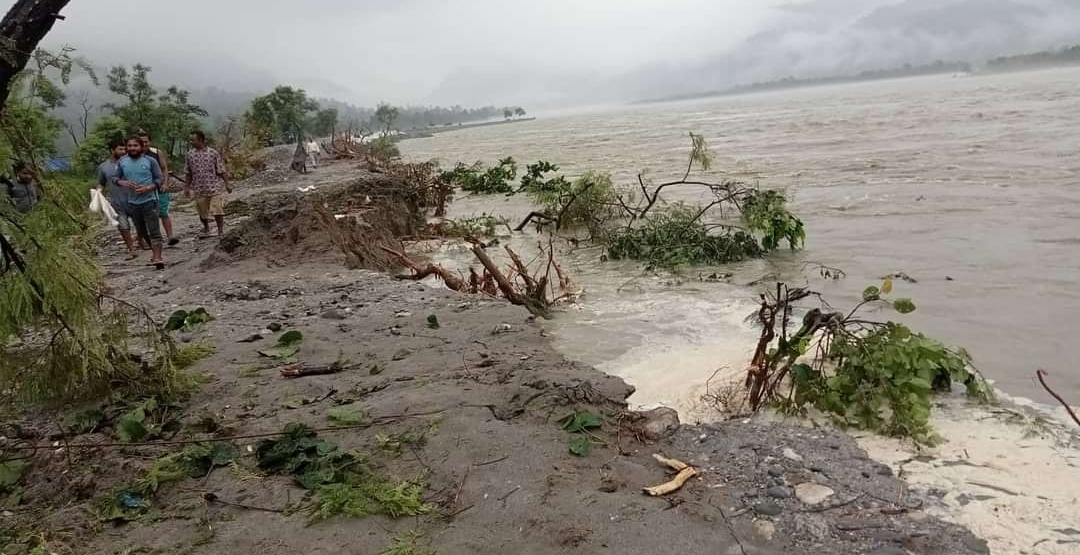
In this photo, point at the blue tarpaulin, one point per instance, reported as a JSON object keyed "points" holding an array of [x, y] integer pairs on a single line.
{"points": [[58, 164]]}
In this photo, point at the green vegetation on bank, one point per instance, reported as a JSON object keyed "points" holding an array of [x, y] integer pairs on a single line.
{"points": [[867, 374], [739, 221]]}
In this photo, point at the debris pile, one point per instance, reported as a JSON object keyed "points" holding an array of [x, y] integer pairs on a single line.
{"points": [[347, 223]]}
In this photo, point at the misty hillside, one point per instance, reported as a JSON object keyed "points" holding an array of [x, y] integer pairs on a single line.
{"points": [[836, 37], [428, 52]]}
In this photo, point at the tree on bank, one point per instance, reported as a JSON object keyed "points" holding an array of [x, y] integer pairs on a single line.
{"points": [[519, 112], [61, 334], [385, 115], [283, 115]]}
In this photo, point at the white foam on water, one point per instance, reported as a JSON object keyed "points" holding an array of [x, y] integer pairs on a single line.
{"points": [[1012, 479]]}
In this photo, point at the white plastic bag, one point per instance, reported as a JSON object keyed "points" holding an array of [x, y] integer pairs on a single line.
{"points": [[101, 205]]}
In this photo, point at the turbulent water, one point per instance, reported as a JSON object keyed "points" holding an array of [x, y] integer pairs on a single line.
{"points": [[968, 184]]}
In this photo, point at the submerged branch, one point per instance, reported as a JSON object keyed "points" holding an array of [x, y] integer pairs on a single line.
{"points": [[1041, 374]]}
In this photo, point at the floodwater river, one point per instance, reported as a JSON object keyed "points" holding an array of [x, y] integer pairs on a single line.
{"points": [[968, 184]]}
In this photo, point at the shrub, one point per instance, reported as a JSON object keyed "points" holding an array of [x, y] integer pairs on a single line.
{"points": [[476, 179]]}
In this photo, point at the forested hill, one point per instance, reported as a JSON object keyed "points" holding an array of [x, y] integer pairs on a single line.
{"points": [[1046, 58]]}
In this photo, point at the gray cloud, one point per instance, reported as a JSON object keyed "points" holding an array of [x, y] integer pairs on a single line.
{"points": [[555, 51]]}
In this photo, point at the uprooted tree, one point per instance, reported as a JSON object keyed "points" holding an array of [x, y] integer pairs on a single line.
{"points": [[735, 222], [61, 334], [528, 285], [866, 374], [730, 221]]}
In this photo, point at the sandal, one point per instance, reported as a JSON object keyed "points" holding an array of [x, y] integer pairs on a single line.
{"points": [[173, 241], [159, 266]]}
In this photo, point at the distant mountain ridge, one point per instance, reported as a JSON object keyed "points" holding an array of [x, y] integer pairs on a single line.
{"points": [[815, 39]]}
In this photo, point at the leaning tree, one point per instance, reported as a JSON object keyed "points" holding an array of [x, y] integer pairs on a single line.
{"points": [[73, 338]]}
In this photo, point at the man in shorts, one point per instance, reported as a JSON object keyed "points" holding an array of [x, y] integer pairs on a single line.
{"points": [[164, 198], [142, 176], [117, 195], [208, 181]]}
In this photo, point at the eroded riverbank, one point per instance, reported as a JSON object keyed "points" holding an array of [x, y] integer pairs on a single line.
{"points": [[485, 389]]}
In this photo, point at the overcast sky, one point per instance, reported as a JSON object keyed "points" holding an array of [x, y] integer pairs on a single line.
{"points": [[502, 51]]}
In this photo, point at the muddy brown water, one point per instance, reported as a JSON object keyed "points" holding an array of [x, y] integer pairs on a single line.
{"points": [[968, 184]]}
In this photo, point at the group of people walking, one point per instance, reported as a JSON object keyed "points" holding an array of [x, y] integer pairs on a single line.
{"points": [[136, 180]]}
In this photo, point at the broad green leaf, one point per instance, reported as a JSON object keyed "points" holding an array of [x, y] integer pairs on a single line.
{"points": [[580, 446], [886, 287], [904, 306], [196, 317], [919, 383], [11, 472], [176, 320], [130, 429], [85, 421], [345, 416], [287, 346], [281, 352], [871, 293], [222, 454], [580, 421], [290, 337]]}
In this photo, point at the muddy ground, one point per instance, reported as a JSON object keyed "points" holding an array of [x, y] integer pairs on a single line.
{"points": [[488, 390]]}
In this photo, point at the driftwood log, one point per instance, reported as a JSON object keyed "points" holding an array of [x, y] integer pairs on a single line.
{"points": [[685, 472], [492, 282], [421, 271]]}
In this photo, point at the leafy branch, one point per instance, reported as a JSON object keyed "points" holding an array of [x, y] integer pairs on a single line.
{"points": [[867, 374]]}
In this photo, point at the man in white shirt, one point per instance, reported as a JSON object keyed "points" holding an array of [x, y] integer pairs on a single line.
{"points": [[313, 152]]}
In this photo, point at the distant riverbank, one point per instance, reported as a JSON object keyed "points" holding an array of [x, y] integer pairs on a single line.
{"points": [[1031, 62], [431, 131]]}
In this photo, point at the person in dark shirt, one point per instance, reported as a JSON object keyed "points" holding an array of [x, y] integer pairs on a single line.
{"points": [[117, 195], [24, 192]]}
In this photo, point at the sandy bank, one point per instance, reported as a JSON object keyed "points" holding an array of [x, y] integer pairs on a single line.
{"points": [[487, 388]]}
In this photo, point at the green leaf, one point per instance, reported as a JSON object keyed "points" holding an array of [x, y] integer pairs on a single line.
{"points": [[920, 384], [85, 421], [11, 472], [222, 454], [886, 287], [580, 421], [904, 306], [871, 293], [345, 416], [287, 346], [176, 320], [130, 428], [281, 352], [433, 322], [580, 446], [290, 337], [196, 317]]}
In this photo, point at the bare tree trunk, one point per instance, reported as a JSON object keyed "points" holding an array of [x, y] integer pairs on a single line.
{"points": [[26, 23]]}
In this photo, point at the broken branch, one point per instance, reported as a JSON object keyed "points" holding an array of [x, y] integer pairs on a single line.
{"points": [[1041, 374], [672, 485]]}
